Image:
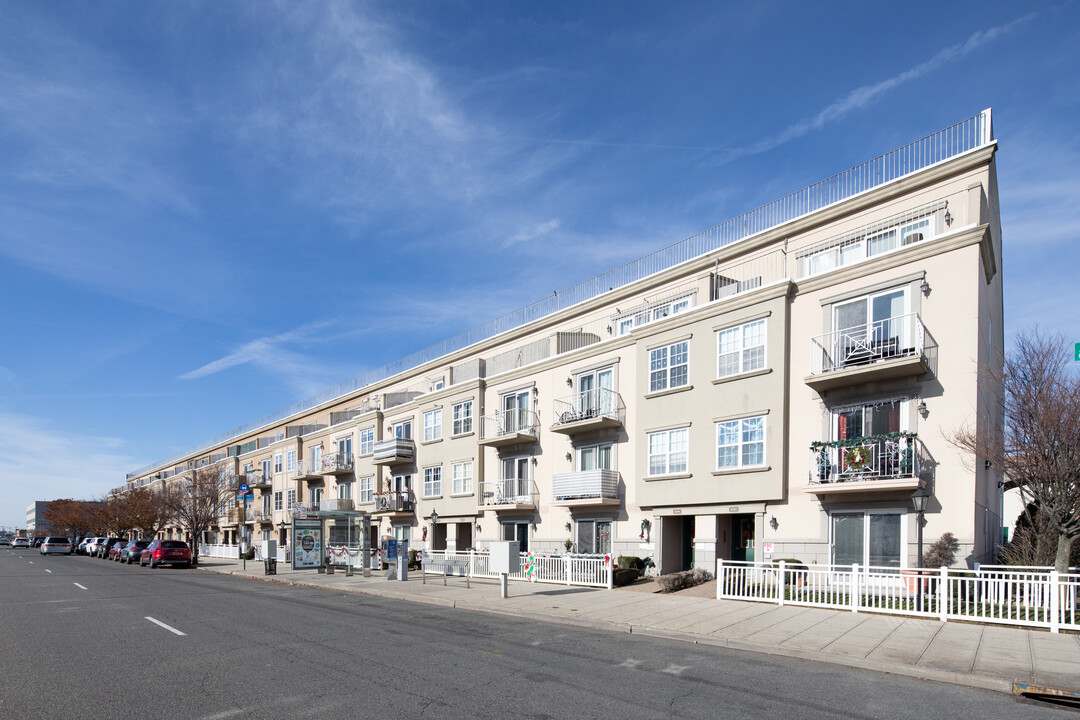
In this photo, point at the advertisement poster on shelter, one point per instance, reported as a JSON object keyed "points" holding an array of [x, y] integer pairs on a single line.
{"points": [[307, 550]]}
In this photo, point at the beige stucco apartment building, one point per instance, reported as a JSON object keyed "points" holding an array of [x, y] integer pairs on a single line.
{"points": [[775, 387]]}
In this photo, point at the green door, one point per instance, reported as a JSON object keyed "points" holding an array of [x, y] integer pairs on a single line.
{"points": [[742, 538]]}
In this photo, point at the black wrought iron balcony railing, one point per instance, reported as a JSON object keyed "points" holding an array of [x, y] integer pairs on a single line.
{"points": [[892, 456]]}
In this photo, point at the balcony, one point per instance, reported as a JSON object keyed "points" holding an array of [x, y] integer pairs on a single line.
{"points": [[882, 350], [394, 504], [338, 463], [309, 469], [264, 516], [336, 505], [590, 410], [508, 495], [866, 464], [395, 451], [256, 479], [588, 488], [509, 427]]}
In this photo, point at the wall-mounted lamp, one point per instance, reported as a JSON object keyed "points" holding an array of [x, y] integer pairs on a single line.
{"points": [[569, 382], [773, 522], [569, 456], [478, 528], [535, 461], [948, 216], [608, 329], [988, 464], [922, 409], [536, 392], [925, 287], [569, 527]]}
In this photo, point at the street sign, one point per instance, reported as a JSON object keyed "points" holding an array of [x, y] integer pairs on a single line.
{"points": [[244, 488], [1077, 351]]}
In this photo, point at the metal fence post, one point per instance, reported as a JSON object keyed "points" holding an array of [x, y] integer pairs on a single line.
{"points": [[1055, 601], [472, 559], [719, 578], [781, 586], [854, 587]]}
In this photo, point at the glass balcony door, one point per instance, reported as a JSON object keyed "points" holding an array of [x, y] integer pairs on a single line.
{"points": [[871, 539], [595, 392], [516, 411], [870, 327]]}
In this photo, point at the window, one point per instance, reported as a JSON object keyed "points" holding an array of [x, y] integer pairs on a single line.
{"points": [[315, 461], [668, 366], [266, 504], [594, 457], [857, 248], [403, 430], [277, 500], [668, 451], [596, 393], [344, 446], [367, 489], [740, 443], [652, 312], [463, 418], [266, 469], [516, 415], [871, 327], [432, 425], [741, 349], [344, 491], [290, 460], [402, 483], [290, 496], [868, 538], [367, 441], [462, 474], [316, 496], [855, 421], [593, 537], [278, 467], [247, 468], [433, 481], [436, 383]]}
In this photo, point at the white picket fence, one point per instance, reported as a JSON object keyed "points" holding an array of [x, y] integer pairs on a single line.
{"points": [[1033, 597], [353, 556], [584, 570], [233, 552]]}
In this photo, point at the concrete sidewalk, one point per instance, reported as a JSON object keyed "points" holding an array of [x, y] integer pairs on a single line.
{"points": [[986, 656]]}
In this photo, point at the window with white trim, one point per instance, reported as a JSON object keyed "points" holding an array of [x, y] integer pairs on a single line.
{"points": [[316, 497], [367, 489], [668, 451], [290, 460], [290, 497], [462, 475], [463, 417], [266, 470], [344, 446], [278, 466], [593, 537], [669, 366], [344, 490], [277, 500], [433, 425], [367, 441], [594, 457], [433, 481], [740, 349], [403, 429], [652, 312], [740, 443]]}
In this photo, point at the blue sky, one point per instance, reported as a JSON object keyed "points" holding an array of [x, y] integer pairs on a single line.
{"points": [[209, 211]]}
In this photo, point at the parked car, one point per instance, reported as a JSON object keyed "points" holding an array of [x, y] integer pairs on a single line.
{"points": [[91, 546], [104, 547], [133, 550], [166, 552], [56, 545], [113, 553], [38, 541], [5, 541], [20, 543]]}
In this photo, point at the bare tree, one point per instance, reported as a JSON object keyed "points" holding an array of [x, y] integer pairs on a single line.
{"points": [[1039, 449], [111, 515], [73, 517], [146, 511], [195, 501]]}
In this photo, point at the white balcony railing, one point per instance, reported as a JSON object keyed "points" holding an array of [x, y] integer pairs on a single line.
{"points": [[394, 501], [508, 422], [509, 491], [589, 405], [888, 339], [326, 464], [879, 457], [336, 504], [586, 484]]}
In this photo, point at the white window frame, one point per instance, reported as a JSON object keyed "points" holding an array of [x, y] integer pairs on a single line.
{"points": [[402, 429], [590, 525], [653, 312], [433, 481], [433, 425], [462, 477], [316, 494], [278, 464], [266, 467], [743, 443], [662, 366], [603, 455], [290, 497], [866, 513], [462, 417], [367, 441], [344, 445], [658, 444], [367, 489], [344, 490], [290, 460], [836, 412], [747, 358], [278, 500]]}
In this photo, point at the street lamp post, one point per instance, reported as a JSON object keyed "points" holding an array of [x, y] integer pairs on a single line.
{"points": [[434, 527], [918, 500]]}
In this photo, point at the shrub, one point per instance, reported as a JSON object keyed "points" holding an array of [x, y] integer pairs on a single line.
{"points": [[942, 552], [249, 554], [630, 562], [625, 576], [790, 565], [683, 580]]}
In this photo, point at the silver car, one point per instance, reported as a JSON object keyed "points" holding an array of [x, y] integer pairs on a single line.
{"points": [[55, 545]]}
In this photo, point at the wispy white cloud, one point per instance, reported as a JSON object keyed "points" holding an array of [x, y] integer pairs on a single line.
{"points": [[531, 233], [39, 461]]}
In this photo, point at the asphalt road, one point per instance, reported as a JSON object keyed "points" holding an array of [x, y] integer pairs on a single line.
{"points": [[78, 639]]}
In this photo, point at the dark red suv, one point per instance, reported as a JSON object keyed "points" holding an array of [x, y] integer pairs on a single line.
{"points": [[166, 552]]}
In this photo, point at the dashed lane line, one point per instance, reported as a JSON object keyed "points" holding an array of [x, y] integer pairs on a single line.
{"points": [[170, 629], [81, 587]]}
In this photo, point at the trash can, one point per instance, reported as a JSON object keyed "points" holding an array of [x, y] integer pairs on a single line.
{"points": [[270, 565]]}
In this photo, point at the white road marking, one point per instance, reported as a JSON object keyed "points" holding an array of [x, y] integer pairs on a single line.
{"points": [[48, 571], [31, 562], [675, 669], [170, 629], [630, 663], [81, 587]]}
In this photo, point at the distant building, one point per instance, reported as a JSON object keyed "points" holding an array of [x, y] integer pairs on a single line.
{"points": [[36, 524]]}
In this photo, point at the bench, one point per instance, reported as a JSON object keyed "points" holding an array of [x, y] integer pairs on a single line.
{"points": [[446, 565]]}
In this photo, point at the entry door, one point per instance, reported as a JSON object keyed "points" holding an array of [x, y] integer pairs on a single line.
{"points": [[742, 538], [516, 407]]}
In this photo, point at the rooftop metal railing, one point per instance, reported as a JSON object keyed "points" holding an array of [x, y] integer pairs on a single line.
{"points": [[950, 142]]}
